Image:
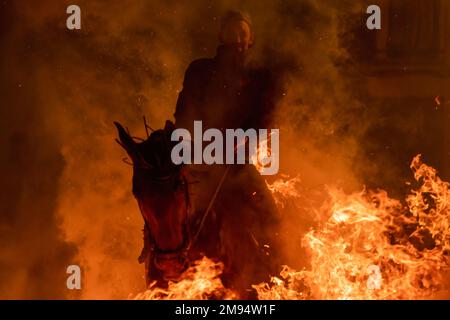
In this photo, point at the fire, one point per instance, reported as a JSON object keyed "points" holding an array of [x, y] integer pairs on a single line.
{"points": [[261, 157], [369, 246], [366, 246], [284, 189], [201, 281], [438, 101]]}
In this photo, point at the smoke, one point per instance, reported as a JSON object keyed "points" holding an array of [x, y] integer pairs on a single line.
{"points": [[73, 202], [33, 257]]}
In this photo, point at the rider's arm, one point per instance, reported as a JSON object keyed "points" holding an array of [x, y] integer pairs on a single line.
{"points": [[190, 98]]}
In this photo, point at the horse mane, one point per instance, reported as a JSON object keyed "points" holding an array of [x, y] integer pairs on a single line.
{"points": [[156, 151]]}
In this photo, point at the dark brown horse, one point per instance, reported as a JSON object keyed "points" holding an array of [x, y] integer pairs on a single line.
{"points": [[175, 234]]}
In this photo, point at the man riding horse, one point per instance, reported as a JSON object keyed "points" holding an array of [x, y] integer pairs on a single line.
{"points": [[228, 92]]}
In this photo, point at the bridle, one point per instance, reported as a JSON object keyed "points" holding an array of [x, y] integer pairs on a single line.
{"points": [[188, 241], [162, 180]]}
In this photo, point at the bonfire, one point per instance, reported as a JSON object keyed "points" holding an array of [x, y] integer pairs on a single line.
{"points": [[366, 246]]}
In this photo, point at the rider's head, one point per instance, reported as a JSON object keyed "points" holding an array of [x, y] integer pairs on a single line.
{"points": [[235, 31]]}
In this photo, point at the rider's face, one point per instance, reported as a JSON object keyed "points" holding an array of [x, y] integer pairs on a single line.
{"points": [[237, 34]]}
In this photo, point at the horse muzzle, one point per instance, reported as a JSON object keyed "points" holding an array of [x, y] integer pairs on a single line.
{"points": [[171, 265]]}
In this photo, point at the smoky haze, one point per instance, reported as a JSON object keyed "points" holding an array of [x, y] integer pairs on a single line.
{"points": [[66, 195]]}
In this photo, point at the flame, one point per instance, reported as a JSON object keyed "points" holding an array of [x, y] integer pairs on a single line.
{"points": [[201, 281], [437, 101], [284, 189], [260, 157], [370, 246], [366, 246]]}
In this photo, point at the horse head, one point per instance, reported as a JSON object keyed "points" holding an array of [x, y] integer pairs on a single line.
{"points": [[161, 191]]}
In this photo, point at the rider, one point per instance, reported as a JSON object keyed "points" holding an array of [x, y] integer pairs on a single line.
{"points": [[229, 91]]}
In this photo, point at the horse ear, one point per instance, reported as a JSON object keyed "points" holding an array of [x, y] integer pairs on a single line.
{"points": [[125, 140]]}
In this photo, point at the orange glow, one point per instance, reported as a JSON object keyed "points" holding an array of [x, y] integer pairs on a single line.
{"points": [[407, 244], [200, 282]]}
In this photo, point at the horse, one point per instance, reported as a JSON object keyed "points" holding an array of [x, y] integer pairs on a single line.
{"points": [[176, 234]]}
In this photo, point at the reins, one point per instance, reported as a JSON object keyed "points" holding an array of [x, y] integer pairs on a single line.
{"points": [[208, 209]]}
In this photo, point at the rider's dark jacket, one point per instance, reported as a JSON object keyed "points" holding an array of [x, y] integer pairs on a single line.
{"points": [[225, 94]]}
